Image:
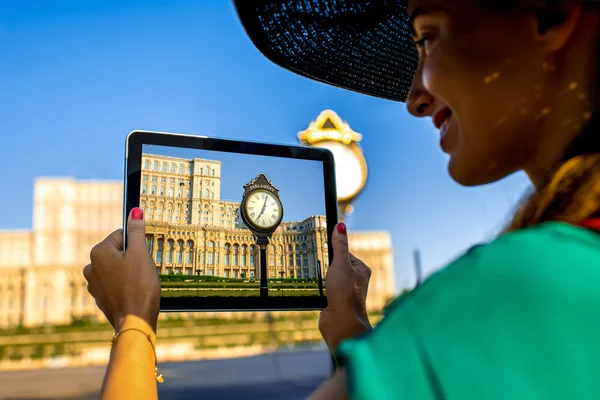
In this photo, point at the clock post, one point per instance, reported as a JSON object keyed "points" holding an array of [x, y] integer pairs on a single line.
{"points": [[328, 131], [262, 211]]}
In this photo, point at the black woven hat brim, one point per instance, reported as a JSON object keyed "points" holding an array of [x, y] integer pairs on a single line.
{"points": [[363, 46]]}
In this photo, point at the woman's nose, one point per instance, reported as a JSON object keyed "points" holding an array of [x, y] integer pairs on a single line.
{"points": [[420, 102]]}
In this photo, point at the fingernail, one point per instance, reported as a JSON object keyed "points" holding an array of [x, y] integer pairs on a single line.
{"points": [[137, 213], [341, 228]]}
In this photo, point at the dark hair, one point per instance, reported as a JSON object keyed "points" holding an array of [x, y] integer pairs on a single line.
{"points": [[571, 193]]}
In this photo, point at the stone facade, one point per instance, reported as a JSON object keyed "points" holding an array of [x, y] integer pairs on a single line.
{"points": [[191, 230]]}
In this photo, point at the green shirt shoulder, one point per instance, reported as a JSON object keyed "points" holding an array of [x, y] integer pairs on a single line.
{"points": [[517, 318]]}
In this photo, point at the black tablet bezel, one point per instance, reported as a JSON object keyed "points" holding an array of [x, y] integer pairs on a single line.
{"points": [[133, 165]]}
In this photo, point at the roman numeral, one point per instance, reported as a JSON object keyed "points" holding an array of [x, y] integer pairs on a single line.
{"points": [[264, 196], [274, 216], [253, 214], [250, 208]]}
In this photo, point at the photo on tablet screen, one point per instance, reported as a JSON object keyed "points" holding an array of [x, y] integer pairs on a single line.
{"points": [[201, 232]]}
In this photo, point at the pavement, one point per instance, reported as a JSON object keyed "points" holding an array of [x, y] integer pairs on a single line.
{"points": [[286, 375]]}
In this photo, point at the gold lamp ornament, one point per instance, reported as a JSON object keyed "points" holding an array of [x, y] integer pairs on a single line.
{"points": [[328, 131]]}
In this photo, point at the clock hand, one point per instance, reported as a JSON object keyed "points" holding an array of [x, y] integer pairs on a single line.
{"points": [[263, 208]]}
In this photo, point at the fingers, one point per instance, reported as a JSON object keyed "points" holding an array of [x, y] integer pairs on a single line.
{"points": [[136, 229], [360, 265], [87, 273], [339, 241]]}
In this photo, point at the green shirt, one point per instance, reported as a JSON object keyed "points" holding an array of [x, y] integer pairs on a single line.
{"points": [[518, 318]]}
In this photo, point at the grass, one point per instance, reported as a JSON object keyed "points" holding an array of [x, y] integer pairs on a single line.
{"points": [[236, 293]]}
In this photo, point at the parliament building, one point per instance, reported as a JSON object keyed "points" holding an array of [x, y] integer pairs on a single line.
{"points": [[192, 231], [41, 279]]}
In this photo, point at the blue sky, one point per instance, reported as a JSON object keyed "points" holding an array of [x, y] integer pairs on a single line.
{"points": [[300, 182], [77, 76]]}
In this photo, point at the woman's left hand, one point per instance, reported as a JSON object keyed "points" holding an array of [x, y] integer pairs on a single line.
{"points": [[125, 283]]}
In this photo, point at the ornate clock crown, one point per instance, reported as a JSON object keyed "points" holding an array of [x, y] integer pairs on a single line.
{"points": [[260, 182], [329, 126]]}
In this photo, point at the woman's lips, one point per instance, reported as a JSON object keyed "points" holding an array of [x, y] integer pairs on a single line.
{"points": [[440, 116]]}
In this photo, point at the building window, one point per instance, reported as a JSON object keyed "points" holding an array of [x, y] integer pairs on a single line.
{"points": [[212, 195], [145, 177], [271, 261], [205, 194], [170, 245], [170, 192], [159, 251], [190, 250], [179, 192], [279, 261], [235, 274], [226, 274], [210, 258], [252, 274], [181, 169], [144, 188], [150, 242], [188, 193], [164, 167], [155, 166], [291, 260], [153, 190], [179, 253], [213, 173], [305, 261], [147, 165], [172, 168], [162, 190]]}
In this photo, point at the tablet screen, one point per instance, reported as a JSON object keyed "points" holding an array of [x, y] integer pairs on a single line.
{"points": [[205, 211]]}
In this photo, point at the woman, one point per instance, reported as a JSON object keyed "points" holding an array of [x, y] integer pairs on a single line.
{"points": [[512, 86]]}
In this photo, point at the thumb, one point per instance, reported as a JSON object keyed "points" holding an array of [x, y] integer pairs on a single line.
{"points": [[339, 241], [136, 228]]}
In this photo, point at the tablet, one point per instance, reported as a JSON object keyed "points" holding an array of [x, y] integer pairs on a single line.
{"points": [[233, 225]]}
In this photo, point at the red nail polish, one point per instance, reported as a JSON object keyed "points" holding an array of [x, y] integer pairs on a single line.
{"points": [[137, 213], [341, 228]]}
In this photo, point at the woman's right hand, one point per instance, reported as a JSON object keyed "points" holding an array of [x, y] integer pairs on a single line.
{"points": [[347, 283]]}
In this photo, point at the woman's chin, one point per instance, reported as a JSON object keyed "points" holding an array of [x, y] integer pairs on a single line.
{"points": [[470, 174]]}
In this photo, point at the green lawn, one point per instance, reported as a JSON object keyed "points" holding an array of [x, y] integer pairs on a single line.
{"points": [[236, 293]]}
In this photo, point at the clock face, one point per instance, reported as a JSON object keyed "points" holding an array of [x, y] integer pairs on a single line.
{"points": [[350, 168], [263, 209]]}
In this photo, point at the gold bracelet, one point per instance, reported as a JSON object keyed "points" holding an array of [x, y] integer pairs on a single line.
{"points": [[159, 376]]}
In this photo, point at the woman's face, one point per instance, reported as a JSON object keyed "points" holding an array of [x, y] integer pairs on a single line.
{"points": [[485, 80]]}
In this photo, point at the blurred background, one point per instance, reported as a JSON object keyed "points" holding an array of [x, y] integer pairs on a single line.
{"points": [[77, 76]]}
